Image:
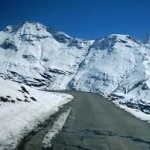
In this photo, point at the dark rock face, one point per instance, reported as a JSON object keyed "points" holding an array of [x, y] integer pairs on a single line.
{"points": [[9, 45]]}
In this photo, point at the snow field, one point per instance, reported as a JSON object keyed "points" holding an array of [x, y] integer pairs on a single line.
{"points": [[19, 117]]}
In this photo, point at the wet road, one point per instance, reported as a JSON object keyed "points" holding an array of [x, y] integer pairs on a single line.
{"points": [[97, 124]]}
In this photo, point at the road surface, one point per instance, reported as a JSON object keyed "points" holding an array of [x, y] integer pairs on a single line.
{"points": [[95, 124]]}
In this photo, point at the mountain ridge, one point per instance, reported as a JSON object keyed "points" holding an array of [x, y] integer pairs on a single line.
{"points": [[48, 59]]}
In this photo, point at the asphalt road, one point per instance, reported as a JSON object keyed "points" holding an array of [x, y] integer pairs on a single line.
{"points": [[95, 124]]}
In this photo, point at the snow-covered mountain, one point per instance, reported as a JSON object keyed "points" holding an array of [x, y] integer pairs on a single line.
{"points": [[38, 56], [134, 90], [116, 66], [108, 62]]}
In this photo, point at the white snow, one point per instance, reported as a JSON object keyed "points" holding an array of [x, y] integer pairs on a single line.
{"points": [[107, 63], [136, 112], [34, 52], [57, 126], [18, 118], [47, 59]]}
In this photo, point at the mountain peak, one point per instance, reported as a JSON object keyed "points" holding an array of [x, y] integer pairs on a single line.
{"points": [[123, 37], [24, 25], [31, 27], [28, 24], [114, 39], [118, 35], [28, 31]]}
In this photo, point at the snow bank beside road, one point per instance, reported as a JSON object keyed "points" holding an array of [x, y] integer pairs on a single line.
{"points": [[135, 112], [21, 110]]}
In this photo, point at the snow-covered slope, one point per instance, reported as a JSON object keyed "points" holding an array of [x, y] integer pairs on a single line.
{"points": [[115, 66], [108, 62], [38, 56], [118, 67], [134, 91], [22, 108]]}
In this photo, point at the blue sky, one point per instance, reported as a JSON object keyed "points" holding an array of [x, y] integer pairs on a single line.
{"points": [[88, 19]]}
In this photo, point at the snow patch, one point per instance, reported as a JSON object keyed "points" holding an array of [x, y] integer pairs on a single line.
{"points": [[58, 125]]}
